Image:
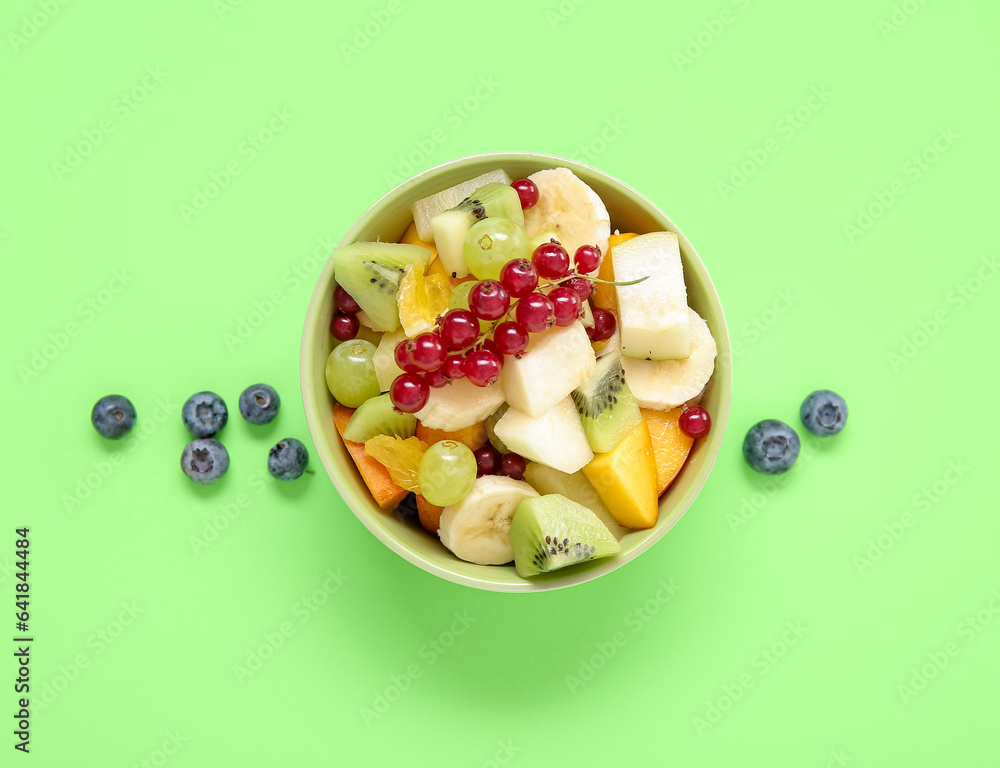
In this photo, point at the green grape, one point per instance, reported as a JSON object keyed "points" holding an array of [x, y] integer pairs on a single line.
{"points": [[447, 472], [459, 299], [491, 243], [350, 374]]}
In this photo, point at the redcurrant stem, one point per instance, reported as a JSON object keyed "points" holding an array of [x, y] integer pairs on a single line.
{"points": [[560, 281], [605, 282]]}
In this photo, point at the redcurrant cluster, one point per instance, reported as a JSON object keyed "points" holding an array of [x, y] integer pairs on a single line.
{"points": [[344, 323], [457, 348], [489, 461]]}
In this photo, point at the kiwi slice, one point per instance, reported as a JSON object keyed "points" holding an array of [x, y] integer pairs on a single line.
{"points": [[550, 532], [376, 416], [491, 434], [370, 273], [450, 227], [606, 405]]}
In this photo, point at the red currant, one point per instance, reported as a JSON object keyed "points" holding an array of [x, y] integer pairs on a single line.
{"points": [[551, 260], [513, 465], [343, 301], [587, 258], [527, 191], [695, 422], [409, 392], [403, 354], [581, 286], [454, 367], [343, 326], [482, 367], [566, 304], [519, 277], [604, 325], [428, 352], [437, 378], [535, 312], [490, 346], [459, 329], [511, 338], [487, 460], [489, 300]]}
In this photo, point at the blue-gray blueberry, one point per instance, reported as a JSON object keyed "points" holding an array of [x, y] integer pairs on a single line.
{"points": [[288, 459], [113, 416], [204, 414], [824, 413], [771, 447], [205, 460], [259, 404]]}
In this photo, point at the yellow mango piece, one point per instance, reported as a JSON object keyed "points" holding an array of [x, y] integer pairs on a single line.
{"points": [[625, 479], [604, 295], [670, 446], [411, 237], [437, 268]]}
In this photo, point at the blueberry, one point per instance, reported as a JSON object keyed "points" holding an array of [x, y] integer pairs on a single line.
{"points": [[824, 413], [204, 414], [113, 416], [771, 447], [205, 460], [259, 404], [288, 459]]}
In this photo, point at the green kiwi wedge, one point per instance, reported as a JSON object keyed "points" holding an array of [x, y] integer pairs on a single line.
{"points": [[371, 272], [491, 434], [376, 416], [606, 405], [551, 532]]}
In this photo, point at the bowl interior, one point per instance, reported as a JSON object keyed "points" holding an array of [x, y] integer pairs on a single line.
{"points": [[386, 220]]}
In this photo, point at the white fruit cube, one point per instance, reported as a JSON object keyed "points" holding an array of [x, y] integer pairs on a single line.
{"points": [[459, 405], [555, 438], [653, 314], [556, 362]]}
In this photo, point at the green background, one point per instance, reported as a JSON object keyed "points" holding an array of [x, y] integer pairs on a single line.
{"points": [[846, 615]]}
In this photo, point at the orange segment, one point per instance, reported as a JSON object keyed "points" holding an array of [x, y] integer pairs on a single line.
{"points": [[401, 457], [604, 295], [670, 446], [421, 299], [385, 492]]}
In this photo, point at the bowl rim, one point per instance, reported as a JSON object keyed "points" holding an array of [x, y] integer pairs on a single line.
{"points": [[557, 579]]}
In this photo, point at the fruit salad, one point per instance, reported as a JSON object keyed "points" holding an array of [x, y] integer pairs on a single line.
{"points": [[526, 378]]}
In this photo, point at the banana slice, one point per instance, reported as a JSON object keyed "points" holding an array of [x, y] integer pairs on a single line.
{"points": [[666, 384], [567, 206], [475, 528]]}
